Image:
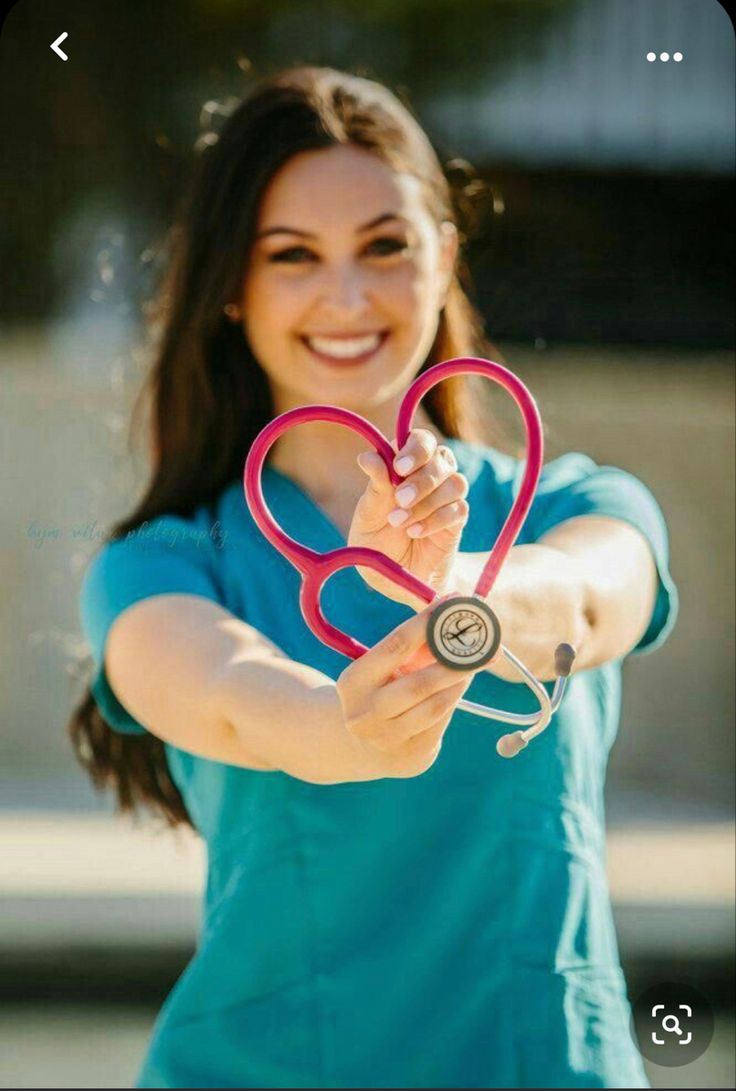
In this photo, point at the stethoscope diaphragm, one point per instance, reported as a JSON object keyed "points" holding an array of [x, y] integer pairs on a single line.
{"points": [[463, 632]]}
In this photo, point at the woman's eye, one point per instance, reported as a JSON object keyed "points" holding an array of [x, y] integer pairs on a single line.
{"points": [[297, 255], [292, 255], [385, 246]]}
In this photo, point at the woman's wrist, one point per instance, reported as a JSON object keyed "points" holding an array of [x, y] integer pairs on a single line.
{"points": [[539, 600]]}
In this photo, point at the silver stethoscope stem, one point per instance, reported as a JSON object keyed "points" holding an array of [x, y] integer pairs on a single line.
{"points": [[462, 631], [534, 722]]}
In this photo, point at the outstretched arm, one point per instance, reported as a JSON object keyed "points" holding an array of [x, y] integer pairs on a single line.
{"points": [[590, 581]]}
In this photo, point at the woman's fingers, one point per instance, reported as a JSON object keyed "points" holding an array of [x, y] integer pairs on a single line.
{"points": [[452, 488], [411, 690], [389, 654], [398, 713], [434, 711], [448, 517], [423, 482], [402, 652], [375, 469], [419, 448], [430, 487], [430, 482]]}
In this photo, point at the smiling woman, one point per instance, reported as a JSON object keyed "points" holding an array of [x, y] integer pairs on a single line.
{"points": [[336, 291], [388, 902], [349, 311]]}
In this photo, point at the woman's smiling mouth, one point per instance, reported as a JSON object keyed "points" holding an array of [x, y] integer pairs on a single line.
{"points": [[352, 349]]}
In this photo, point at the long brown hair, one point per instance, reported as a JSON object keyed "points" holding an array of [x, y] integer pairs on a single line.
{"points": [[208, 395]]}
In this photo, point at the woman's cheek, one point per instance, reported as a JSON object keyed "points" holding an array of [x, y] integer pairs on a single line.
{"points": [[275, 300], [402, 290]]}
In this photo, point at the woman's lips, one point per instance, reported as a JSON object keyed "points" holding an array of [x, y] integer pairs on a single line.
{"points": [[343, 351]]}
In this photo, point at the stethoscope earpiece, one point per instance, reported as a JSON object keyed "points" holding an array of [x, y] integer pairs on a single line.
{"points": [[564, 659], [508, 746]]}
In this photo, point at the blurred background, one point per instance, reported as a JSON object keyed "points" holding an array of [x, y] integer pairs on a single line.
{"points": [[603, 265]]}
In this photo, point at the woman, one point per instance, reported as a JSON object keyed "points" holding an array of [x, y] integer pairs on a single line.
{"points": [[388, 902]]}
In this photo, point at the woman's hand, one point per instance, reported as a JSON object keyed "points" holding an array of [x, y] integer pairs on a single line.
{"points": [[418, 523], [396, 702]]}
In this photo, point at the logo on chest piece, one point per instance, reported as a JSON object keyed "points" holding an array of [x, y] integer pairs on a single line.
{"points": [[463, 633]]}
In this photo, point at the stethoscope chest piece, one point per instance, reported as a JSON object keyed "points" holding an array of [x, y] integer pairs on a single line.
{"points": [[463, 633]]}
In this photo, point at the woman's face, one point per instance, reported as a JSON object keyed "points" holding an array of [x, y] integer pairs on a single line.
{"points": [[346, 278]]}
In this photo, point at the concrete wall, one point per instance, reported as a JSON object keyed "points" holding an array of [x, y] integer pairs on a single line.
{"points": [[667, 417]]}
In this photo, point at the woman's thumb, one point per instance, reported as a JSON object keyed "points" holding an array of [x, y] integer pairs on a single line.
{"points": [[374, 467]]}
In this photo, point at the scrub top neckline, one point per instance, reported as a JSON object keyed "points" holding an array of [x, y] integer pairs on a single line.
{"points": [[311, 504], [308, 502]]}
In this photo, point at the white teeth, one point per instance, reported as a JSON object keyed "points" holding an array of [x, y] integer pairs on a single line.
{"points": [[344, 348]]}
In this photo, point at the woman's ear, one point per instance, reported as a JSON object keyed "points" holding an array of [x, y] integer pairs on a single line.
{"points": [[449, 245]]}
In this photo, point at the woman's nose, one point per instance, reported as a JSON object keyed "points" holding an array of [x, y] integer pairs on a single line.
{"points": [[344, 289]]}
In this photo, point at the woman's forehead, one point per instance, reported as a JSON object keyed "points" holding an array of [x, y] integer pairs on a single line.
{"points": [[339, 186]]}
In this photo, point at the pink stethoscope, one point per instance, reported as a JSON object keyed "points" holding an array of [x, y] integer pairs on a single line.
{"points": [[462, 631]]}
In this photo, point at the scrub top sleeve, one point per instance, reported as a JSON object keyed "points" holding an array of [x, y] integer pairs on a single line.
{"points": [[169, 554], [574, 485]]}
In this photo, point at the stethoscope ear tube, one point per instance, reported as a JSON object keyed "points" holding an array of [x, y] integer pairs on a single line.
{"points": [[508, 746]]}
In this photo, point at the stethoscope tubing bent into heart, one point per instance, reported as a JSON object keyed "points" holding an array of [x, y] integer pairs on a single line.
{"points": [[462, 631]]}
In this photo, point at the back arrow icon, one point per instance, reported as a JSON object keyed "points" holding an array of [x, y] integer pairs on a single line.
{"points": [[55, 46]]}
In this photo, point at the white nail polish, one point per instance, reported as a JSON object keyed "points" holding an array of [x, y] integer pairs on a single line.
{"points": [[397, 517], [414, 531], [405, 495], [404, 465]]}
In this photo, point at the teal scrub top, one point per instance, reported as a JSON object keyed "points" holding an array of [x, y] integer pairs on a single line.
{"points": [[448, 930]]}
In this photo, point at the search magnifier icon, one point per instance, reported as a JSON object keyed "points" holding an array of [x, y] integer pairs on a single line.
{"points": [[674, 1025]]}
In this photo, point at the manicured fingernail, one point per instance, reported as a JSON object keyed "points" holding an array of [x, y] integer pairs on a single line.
{"points": [[404, 465], [414, 531], [396, 518], [405, 495]]}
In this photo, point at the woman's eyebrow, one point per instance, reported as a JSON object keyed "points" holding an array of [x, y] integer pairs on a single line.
{"points": [[383, 218]]}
